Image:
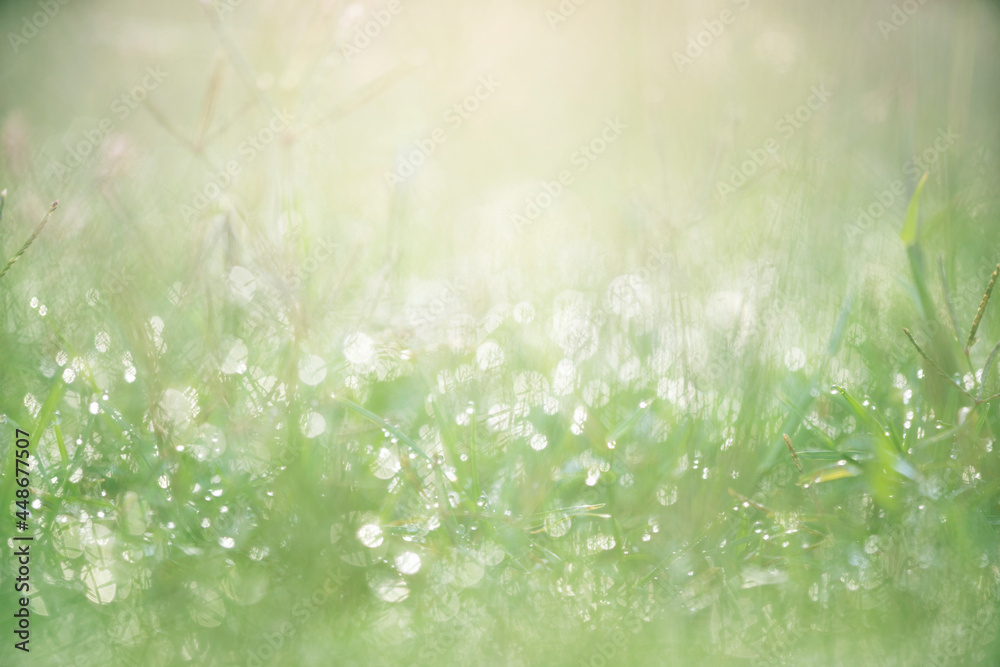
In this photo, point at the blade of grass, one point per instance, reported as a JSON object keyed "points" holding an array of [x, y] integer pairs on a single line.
{"points": [[474, 457], [31, 239], [909, 231], [837, 335], [372, 417], [864, 414], [624, 425], [935, 366], [44, 418], [798, 464], [791, 450], [986, 369], [830, 474], [888, 454], [823, 455], [63, 453], [952, 312]]}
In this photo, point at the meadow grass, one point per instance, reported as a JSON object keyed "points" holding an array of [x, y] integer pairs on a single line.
{"points": [[292, 412]]}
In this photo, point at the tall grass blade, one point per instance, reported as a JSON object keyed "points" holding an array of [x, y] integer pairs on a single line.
{"points": [[937, 368], [987, 368], [31, 239], [374, 418], [909, 232], [952, 312]]}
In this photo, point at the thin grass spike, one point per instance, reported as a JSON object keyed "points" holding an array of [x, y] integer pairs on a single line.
{"points": [[798, 464], [982, 309], [31, 239], [952, 312], [3, 198], [936, 367], [791, 450], [987, 367]]}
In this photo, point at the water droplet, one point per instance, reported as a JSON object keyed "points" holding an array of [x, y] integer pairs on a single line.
{"points": [[408, 563], [370, 535], [312, 370]]}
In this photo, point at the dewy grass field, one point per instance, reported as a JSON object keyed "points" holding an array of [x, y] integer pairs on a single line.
{"points": [[503, 333]]}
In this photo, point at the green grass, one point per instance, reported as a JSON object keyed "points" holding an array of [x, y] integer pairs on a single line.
{"points": [[324, 419]]}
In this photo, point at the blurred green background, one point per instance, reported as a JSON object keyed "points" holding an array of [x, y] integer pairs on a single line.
{"points": [[385, 333]]}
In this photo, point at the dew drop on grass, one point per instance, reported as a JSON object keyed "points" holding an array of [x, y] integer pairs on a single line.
{"points": [[312, 370], [666, 495], [208, 609], [408, 563], [390, 589], [359, 349], [313, 424], [600, 542], [795, 359], [370, 535], [101, 587], [235, 362], [386, 464], [242, 284], [558, 526], [489, 356]]}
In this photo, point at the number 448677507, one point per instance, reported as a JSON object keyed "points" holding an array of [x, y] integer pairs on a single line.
{"points": [[23, 480]]}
